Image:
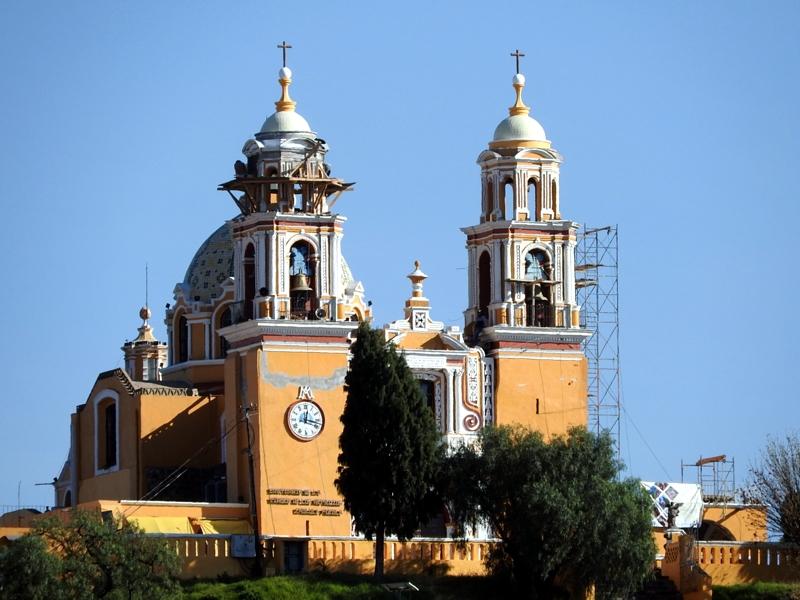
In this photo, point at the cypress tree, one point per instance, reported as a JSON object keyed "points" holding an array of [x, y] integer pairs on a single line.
{"points": [[389, 445]]}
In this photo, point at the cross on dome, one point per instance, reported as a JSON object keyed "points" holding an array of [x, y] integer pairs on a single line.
{"points": [[516, 54], [284, 46]]}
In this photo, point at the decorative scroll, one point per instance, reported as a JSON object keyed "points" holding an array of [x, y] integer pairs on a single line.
{"points": [[488, 391], [473, 398], [471, 422]]}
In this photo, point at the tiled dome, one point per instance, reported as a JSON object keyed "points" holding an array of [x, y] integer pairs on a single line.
{"points": [[212, 264]]}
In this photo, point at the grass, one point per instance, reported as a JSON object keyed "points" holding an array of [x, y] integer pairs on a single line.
{"points": [[757, 591], [341, 587]]}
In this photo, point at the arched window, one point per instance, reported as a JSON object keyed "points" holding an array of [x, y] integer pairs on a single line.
{"points": [[106, 431], [301, 280], [508, 199], [183, 339], [554, 198], [225, 318], [67, 499], [249, 280], [484, 285], [489, 208], [538, 307], [533, 199]]}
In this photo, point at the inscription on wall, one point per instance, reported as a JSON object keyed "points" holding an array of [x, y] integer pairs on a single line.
{"points": [[305, 502]]}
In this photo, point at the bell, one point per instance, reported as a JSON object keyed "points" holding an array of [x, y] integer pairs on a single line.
{"points": [[299, 283]]}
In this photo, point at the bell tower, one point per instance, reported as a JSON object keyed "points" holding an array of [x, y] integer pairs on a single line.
{"points": [[288, 261], [521, 290], [294, 308]]}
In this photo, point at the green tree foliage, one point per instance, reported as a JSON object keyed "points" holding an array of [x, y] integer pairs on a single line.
{"points": [[775, 484], [562, 517], [389, 445], [87, 557]]}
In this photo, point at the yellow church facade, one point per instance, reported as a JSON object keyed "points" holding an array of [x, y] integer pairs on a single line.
{"points": [[236, 416]]}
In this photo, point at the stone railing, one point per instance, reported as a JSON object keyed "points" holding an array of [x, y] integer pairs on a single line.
{"points": [[416, 556], [730, 563], [206, 556]]}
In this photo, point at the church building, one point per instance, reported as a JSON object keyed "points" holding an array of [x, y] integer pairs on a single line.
{"points": [[240, 406]]}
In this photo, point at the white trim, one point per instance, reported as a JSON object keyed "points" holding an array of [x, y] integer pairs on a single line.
{"points": [[178, 503], [99, 397]]}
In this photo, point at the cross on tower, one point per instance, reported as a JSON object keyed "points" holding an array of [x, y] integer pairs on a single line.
{"points": [[517, 55], [283, 46]]}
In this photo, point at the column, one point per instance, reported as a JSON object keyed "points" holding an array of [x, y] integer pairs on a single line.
{"points": [[458, 373], [450, 404], [259, 262], [269, 270]]}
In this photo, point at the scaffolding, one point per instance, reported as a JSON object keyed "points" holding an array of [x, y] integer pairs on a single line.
{"points": [[716, 476], [597, 289]]}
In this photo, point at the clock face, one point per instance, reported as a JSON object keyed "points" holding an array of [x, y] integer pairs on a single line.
{"points": [[305, 420]]}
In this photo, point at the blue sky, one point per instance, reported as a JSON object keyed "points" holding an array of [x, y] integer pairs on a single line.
{"points": [[678, 121]]}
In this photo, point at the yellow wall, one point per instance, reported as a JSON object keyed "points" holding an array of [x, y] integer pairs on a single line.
{"points": [[558, 380], [305, 469], [120, 483], [745, 523]]}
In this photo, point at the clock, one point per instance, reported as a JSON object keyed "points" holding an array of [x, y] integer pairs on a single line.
{"points": [[305, 420]]}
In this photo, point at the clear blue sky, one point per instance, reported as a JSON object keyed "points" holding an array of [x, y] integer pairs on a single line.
{"points": [[678, 121]]}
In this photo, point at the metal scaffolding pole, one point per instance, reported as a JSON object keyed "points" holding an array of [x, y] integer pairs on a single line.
{"points": [[597, 283]]}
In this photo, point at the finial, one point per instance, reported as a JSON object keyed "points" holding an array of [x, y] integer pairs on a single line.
{"points": [[416, 277], [144, 314], [518, 82], [285, 79]]}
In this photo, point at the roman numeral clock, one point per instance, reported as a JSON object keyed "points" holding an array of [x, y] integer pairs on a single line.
{"points": [[305, 418]]}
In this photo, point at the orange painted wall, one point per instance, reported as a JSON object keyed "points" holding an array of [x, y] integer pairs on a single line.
{"points": [[745, 523], [288, 463], [122, 482], [560, 386]]}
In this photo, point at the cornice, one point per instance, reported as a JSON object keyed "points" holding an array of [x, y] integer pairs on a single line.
{"points": [[536, 335], [257, 328]]}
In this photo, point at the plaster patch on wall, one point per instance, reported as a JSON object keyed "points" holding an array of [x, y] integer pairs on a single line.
{"points": [[280, 380]]}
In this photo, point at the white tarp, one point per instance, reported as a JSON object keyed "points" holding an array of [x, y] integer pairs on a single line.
{"points": [[688, 495]]}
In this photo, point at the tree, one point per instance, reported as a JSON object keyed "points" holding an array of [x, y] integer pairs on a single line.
{"points": [[389, 445], [562, 517], [88, 557], [775, 484]]}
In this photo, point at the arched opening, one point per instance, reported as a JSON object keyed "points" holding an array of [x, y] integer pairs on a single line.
{"points": [[538, 307], [301, 280], [225, 318], [509, 200], [67, 499], [711, 531], [488, 212], [554, 198], [106, 434], [249, 263], [534, 199], [182, 334], [484, 286]]}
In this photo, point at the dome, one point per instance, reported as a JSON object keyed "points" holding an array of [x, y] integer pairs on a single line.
{"points": [[519, 127], [285, 121], [211, 266]]}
